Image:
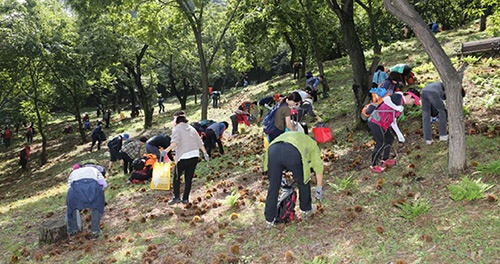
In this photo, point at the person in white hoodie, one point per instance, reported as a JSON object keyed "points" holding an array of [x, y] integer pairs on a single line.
{"points": [[187, 144]]}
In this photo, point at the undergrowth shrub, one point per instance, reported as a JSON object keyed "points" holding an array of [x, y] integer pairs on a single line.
{"points": [[232, 199], [410, 211], [490, 168], [344, 184], [468, 189]]}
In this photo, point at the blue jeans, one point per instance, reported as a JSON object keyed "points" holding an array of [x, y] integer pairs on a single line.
{"points": [[95, 221]]}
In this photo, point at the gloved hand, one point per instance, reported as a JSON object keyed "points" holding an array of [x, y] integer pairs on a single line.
{"points": [[401, 139], [318, 194], [399, 108], [206, 157]]}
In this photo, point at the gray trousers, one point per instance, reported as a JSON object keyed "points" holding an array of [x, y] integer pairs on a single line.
{"points": [[429, 100]]}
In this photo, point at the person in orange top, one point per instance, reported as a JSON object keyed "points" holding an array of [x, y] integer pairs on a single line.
{"points": [[24, 157]]}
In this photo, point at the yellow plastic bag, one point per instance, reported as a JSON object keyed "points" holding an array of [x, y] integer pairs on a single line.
{"points": [[161, 176], [266, 142]]}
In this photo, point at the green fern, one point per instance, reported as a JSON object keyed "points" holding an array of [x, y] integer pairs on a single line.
{"points": [[344, 184], [410, 211], [490, 168], [232, 199], [468, 189]]}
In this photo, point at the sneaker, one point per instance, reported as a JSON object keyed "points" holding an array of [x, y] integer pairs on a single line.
{"points": [[72, 234], [428, 142], [269, 225], [389, 163], [443, 138], [434, 120], [174, 201], [376, 169], [306, 215], [94, 236], [185, 201]]}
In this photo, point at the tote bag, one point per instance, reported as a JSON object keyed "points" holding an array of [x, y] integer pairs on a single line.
{"points": [[322, 134], [161, 176]]}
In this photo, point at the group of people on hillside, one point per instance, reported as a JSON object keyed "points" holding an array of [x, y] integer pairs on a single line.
{"points": [[289, 149]]}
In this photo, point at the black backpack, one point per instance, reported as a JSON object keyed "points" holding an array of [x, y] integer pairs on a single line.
{"points": [[138, 164], [286, 205]]}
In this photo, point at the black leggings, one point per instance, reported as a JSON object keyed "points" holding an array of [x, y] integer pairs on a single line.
{"points": [[186, 166], [383, 141]]}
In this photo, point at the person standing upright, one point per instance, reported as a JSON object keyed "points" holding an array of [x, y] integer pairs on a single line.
{"points": [[187, 144]]}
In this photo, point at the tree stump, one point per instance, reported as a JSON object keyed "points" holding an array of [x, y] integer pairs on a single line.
{"points": [[52, 231]]}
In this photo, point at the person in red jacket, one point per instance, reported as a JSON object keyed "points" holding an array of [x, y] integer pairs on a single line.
{"points": [[7, 135], [241, 115], [24, 157]]}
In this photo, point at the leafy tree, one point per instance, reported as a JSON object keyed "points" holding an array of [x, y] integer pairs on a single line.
{"points": [[452, 79], [344, 9], [194, 12]]}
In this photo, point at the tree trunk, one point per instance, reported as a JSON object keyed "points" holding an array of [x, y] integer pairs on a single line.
{"points": [[377, 48], [451, 78], [52, 231], [361, 79], [144, 95]]}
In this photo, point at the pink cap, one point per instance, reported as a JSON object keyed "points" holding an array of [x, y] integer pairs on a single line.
{"points": [[76, 166]]}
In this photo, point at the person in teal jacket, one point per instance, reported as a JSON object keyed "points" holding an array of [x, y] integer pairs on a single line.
{"points": [[299, 153]]}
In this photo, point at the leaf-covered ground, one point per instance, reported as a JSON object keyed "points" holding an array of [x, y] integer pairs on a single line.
{"points": [[224, 222]]}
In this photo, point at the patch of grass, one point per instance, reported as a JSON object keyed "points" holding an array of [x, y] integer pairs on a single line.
{"points": [[410, 211], [468, 189], [490, 168], [344, 184]]}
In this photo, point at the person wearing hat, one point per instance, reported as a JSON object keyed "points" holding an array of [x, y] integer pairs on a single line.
{"points": [[114, 147], [433, 107], [383, 118], [86, 190], [131, 150]]}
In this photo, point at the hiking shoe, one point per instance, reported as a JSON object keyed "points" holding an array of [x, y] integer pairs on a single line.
{"points": [[94, 235], [443, 138], [389, 163], [428, 142], [174, 201], [376, 169], [185, 201], [306, 215]]}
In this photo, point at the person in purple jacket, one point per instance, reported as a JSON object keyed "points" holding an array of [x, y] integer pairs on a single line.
{"points": [[383, 118], [213, 135]]}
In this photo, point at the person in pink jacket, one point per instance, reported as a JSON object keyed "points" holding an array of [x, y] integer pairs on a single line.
{"points": [[383, 120]]}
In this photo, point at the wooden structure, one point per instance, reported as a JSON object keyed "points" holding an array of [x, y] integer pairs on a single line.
{"points": [[483, 45]]}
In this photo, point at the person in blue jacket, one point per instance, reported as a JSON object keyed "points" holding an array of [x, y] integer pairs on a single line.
{"points": [[86, 190], [213, 135]]}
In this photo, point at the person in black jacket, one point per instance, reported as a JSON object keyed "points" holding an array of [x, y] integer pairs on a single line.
{"points": [[157, 143], [97, 136], [114, 146]]}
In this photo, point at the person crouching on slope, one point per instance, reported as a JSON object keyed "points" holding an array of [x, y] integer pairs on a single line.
{"points": [[381, 119], [299, 153]]}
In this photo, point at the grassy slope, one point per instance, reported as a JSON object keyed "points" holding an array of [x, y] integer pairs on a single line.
{"points": [[360, 226]]}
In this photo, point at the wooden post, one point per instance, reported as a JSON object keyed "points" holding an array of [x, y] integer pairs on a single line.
{"points": [[52, 231]]}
